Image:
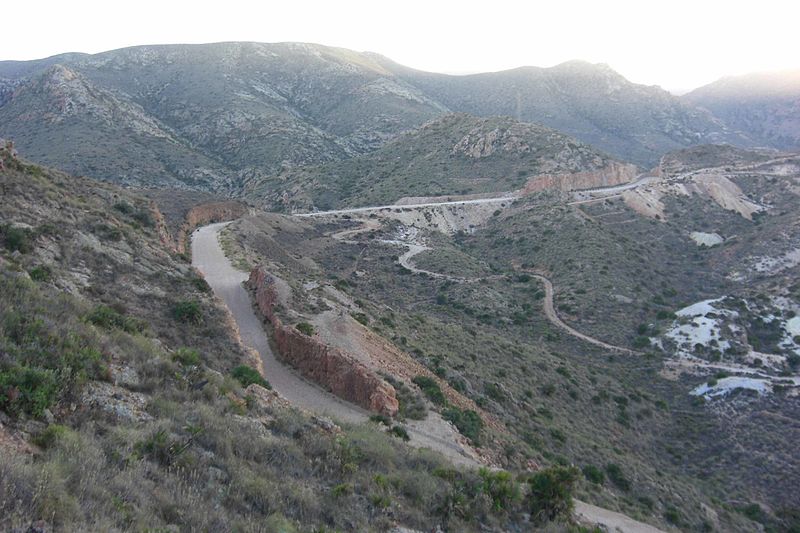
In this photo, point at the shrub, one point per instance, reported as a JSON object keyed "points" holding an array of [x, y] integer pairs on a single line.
{"points": [[381, 419], [617, 477], [305, 328], [24, 389], [187, 311], [593, 474], [40, 273], [550, 493], [108, 318], [247, 375], [16, 239], [468, 422], [186, 357], [361, 317], [500, 487], [430, 388], [51, 435], [401, 432]]}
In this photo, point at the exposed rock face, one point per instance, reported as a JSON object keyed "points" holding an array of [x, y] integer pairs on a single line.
{"points": [[612, 174], [337, 371], [206, 214]]}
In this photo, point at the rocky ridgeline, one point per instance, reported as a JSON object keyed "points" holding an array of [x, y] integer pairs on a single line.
{"points": [[337, 371]]}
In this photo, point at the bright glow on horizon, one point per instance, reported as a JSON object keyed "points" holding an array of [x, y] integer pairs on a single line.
{"points": [[679, 45]]}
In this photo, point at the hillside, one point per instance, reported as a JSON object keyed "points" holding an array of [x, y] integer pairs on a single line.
{"points": [[765, 106], [211, 116], [590, 102], [457, 154], [127, 402], [250, 108]]}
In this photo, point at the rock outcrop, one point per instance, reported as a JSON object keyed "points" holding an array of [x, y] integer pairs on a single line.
{"points": [[206, 214], [339, 372], [612, 174]]}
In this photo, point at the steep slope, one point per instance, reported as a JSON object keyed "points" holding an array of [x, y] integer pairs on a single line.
{"points": [[766, 106], [255, 108], [61, 118], [124, 405], [456, 154], [591, 102]]}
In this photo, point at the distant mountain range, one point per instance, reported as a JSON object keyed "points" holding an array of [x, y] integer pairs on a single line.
{"points": [[216, 116], [766, 105]]}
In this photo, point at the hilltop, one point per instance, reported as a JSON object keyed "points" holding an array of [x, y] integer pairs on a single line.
{"points": [[456, 154], [212, 116]]}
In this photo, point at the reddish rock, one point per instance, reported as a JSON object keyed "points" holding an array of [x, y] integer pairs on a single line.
{"points": [[339, 372], [205, 214], [613, 174]]}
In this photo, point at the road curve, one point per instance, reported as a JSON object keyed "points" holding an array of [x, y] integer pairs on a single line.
{"points": [[226, 282], [550, 311]]}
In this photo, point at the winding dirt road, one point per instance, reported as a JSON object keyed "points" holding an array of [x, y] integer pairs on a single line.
{"points": [[226, 281], [550, 311], [433, 433]]}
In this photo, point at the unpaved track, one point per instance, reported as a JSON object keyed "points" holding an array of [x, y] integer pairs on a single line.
{"points": [[550, 311], [226, 281], [406, 206], [612, 520]]}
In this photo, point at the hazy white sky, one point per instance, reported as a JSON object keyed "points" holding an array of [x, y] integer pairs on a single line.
{"points": [[678, 44]]}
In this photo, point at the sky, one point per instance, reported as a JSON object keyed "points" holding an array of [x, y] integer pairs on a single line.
{"points": [[677, 44]]}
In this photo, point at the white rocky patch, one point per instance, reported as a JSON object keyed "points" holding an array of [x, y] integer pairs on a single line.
{"points": [[727, 385], [706, 239]]}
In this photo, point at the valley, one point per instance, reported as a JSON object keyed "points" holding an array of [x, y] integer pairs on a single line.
{"points": [[293, 287]]}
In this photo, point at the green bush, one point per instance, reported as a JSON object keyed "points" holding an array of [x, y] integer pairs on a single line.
{"points": [[550, 493], [594, 474], [617, 477], [305, 328], [108, 318], [24, 389], [401, 432], [51, 435], [468, 422], [40, 273], [186, 357], [247, 375], [16, 239], [500, 487], [187, 311], [430, 388]]}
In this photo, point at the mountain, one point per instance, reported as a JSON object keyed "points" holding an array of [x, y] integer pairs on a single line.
{"points": [[457, 154], [591, 102], [766, 105], [211, 116], [251, 108]]}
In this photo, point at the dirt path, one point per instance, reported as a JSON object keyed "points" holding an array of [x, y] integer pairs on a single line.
{"points": [[433, 433], [613, 521], [550, 311], [226, 281]]}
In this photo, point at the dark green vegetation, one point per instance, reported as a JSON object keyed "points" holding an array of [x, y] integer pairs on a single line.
{"points": [[247, 375], [222, 116]]}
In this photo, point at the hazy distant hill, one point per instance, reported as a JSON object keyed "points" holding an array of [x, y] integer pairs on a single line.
{"points": [[212, 116], [591, 102], [766, 105]]}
